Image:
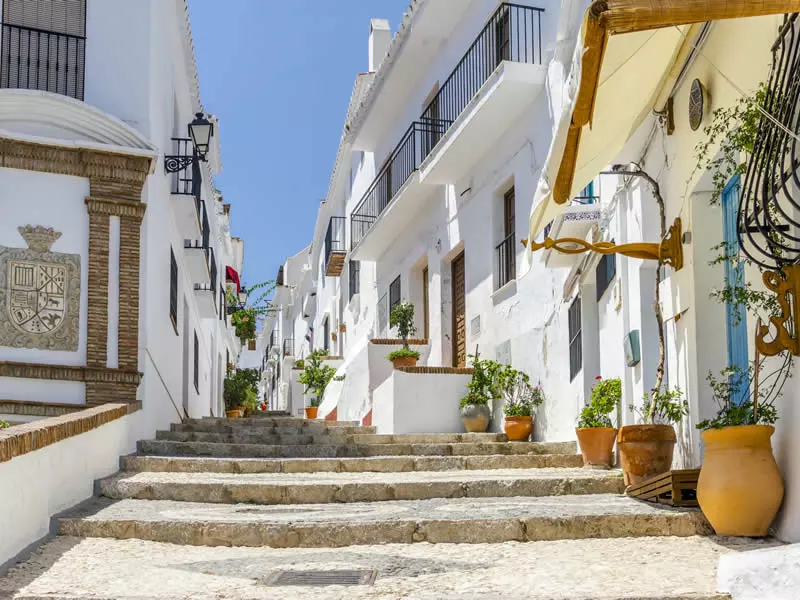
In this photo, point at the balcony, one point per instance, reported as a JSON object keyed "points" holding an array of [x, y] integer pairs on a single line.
{"points": [[506, 261], [35, 59], [199, 255], [288, 347], [335, 247], [394, 196], [576, 221], [206, 294], [185, 187], [498, 78]]}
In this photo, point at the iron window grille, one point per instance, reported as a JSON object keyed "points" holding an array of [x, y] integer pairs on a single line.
{"points": [[605, 272], [575, 349], [394, 294], [506, 250], [43, 46], [355, 278], [288, 347], [196, 372], [326, 334], [173, 289]]}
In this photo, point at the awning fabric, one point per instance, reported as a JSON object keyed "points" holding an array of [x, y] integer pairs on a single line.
{"points": [[232, 276], [627, 51]]}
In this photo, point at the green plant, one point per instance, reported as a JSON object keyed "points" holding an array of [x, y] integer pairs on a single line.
{"points": [[244, 321], [520, 398], [316, 376], [257, 305], [483, 386], [606, 397], [299, 364], [402, 317], [662, 406], [402, 353], [239, 389], [3, 424]]}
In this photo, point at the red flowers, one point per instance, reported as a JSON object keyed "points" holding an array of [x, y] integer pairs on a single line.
{"points": [[598, 377]]}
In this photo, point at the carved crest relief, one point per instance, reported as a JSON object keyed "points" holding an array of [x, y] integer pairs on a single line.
{"points": [[39, 293]]}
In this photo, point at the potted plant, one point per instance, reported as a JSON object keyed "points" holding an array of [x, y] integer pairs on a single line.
{"points": [[646, 449], [239, 392], [520, 400], [3, 424], [316, 376], [740, 488], [244, 322], [402, 317], [482, 388], [595, 432]]}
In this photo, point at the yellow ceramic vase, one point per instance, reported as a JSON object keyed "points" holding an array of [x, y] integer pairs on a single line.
{"points": [[740, 488]]}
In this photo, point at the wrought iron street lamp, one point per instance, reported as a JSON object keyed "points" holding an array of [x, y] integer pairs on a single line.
{"points": [[201, 130]]}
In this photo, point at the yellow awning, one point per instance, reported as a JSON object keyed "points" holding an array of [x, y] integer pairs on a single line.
{"points": [[627, 52]]}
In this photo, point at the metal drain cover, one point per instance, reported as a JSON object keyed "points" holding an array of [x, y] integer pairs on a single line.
{"points": [[321, 578]]}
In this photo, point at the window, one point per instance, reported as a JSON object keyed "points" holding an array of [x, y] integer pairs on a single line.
{"points": [[575, 351], [394, 294], [506, 250], [44, 46], [605, 272], [355, 278], [196, 363], [221, 303], [173, 289], [326, 332]]}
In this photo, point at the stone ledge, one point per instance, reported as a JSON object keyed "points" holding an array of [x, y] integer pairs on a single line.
{"points": [[69, 373], [437, 370], [37, 409], [398, 342], [30, 437]]}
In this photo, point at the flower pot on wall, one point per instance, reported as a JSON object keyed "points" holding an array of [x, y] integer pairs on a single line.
{"points": [[405, 361], [518, 429], [311, 412], [645, 451], [235, 413], [475, 417], [597, 446], [251, 345], [740, 488]]}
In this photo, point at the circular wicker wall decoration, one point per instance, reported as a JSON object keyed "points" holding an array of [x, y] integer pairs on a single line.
{"points": [[697, 100]]}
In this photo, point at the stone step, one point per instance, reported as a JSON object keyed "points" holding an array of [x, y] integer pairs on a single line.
{"points": [[665, 568], [323, 488], [257, 426], [257, 437], [169, 448], [272, 422], [381, 464], [453, 520]]}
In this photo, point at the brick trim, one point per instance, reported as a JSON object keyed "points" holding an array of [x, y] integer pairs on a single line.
{"points": [[129, 252], [398, 342], [437, 370], [69, 373], [37, 409], [119, 208], [97, 313], [29, 437]]}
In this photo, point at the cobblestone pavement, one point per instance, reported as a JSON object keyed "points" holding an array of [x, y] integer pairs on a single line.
{"points": [[604, 569]]}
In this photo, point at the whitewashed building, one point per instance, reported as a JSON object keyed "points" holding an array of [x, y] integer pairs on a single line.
{"points": [[114, 242]]}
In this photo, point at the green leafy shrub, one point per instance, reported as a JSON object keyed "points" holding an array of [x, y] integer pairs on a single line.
{"points": [[402, 317], [316, 376], [606, 397], [239, 389], [662, 406], [732, 395], [3, 424], [484, 385], [520, 398], [402, 353]]}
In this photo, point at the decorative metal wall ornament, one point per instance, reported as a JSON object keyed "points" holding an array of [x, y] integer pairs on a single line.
{"points": [[39, 293], [786, 285], [697, 101], [669, 251]]}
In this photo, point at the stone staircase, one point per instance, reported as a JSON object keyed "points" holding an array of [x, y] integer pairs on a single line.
{"points": [[282, 483]]}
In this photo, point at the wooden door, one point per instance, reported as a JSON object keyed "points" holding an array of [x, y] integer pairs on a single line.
{"points": [[425, 305], [459, 313]]}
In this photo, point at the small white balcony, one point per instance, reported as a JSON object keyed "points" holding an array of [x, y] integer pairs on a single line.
{"points": [[198, 265], [207, 300]]}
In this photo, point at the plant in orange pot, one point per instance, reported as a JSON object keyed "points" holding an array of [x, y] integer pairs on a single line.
{"points": [[740, 488], [402, 318], [595, 432], [646, 449], [316, 376], [520, 401]]}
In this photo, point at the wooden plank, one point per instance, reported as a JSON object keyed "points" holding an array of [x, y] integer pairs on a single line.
{"points": [[675, 488]]}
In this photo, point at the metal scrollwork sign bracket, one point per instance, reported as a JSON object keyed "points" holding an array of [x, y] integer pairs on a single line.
{"points": [[786, 285]]}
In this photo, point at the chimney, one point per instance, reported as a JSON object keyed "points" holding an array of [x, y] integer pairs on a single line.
{"points": [[379, 37]]}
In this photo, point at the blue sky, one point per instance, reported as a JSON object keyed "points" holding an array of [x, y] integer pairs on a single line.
{"points": [[278, 74]]}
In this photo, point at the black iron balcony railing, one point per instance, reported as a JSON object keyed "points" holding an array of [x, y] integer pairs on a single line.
{"points": [[37, 59], [506, 261], [513, 33], [416, 143], [288, 347], [335, 246], [185, 181]]}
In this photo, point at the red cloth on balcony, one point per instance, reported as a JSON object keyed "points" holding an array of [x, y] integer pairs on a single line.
{"points": [[232, 276]]}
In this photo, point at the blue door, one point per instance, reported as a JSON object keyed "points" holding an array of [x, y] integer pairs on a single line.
{"points": [[736, 317]]}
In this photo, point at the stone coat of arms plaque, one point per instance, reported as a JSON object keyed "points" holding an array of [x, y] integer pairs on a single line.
{"points": [[39, 293]]}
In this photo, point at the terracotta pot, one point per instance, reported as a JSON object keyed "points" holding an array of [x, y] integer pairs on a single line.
{"points": [[597, 446], [406, 361], [311, 412], [518, 429], [233, 413], [645, 451], [475, 417], [740, 487]]}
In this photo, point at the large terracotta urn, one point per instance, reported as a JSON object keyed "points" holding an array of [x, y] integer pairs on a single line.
{"points": [[740, 488], [645, 451]]}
